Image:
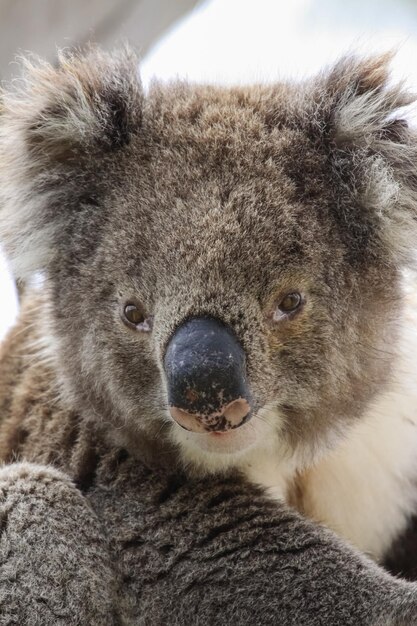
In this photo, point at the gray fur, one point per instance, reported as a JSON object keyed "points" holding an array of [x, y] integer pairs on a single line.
{"points": [[201, 200], [179, 552], [192, 200], [220, 553], [54, 563]]}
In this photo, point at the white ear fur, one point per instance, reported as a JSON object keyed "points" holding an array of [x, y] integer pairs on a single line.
{"points": [[365, 119], [53, 121]]}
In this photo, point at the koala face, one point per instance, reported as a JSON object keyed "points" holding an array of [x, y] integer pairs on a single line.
{"points": [[222, 265]]}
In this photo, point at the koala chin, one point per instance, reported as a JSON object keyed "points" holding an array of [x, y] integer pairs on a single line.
{"points": [[228, 274]]}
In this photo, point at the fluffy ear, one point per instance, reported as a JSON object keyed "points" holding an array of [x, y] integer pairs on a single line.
{"points": [[373, 151], [58, 128]]}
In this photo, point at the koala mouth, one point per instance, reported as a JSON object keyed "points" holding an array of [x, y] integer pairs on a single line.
{"points": [[229, 442]]}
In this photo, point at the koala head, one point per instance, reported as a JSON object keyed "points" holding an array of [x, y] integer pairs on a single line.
{"points": [[222, 265]]}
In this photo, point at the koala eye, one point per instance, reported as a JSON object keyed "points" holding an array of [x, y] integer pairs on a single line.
{"points": [[134, 317], [290, 303]]}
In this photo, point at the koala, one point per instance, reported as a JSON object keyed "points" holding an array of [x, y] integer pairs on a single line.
{"points": [[221, 339]]}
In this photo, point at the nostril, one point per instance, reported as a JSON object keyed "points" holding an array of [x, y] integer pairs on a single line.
{"points": [[236, 411], [187, 420]]}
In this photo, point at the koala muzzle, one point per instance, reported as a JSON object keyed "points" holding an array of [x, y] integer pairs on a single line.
{"points": [[206, 375]]}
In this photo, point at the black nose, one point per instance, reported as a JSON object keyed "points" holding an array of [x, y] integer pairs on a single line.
{"points": [[206, 375]]}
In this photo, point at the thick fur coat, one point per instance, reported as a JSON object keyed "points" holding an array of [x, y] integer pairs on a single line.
{"points": [[195, 201]]}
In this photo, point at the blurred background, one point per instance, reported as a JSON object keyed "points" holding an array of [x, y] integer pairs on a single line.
{"points": [[221, 41]]}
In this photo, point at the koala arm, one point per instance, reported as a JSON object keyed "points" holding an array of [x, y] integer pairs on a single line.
{"points": [[54, 564], [217, 551], [188, 552]]}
